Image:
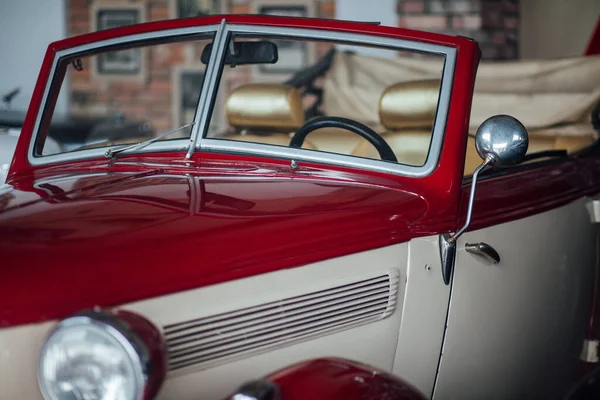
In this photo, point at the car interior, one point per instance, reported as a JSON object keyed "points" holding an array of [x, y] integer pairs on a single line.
{"points": [[271, 112]]}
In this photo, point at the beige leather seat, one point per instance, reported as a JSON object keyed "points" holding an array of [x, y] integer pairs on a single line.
{"points": [[407, 112], [335, 140], [559, 142], [265, 113]]}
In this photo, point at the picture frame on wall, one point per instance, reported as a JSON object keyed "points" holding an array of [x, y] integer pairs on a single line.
{"points": [[293, 56], [186, 84], [122, 64], [197, 8]]}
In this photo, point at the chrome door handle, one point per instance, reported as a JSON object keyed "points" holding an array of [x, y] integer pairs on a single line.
{"points": [[485, 250]]}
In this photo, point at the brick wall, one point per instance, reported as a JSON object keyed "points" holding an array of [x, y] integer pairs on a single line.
{"points": [[493, 23], [146, 99], [152, 97]]}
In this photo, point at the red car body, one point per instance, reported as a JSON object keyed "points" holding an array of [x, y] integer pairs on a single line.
{"points": [[371, 198]]}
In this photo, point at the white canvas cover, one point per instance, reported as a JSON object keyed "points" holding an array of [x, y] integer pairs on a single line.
{"points": [[548, 97]]}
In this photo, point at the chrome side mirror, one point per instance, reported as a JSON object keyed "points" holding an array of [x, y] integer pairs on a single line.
{"points": [[500, 140], [503, 139]]}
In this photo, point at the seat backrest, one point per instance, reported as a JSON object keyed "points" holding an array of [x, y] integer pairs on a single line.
{"points": [[407, 112], [409, 105], [265, 113], [265, 108]]}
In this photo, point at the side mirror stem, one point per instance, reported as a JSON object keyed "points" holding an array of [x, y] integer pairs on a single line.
{"points": [[500, 140], [448, 242], [488, 160]]}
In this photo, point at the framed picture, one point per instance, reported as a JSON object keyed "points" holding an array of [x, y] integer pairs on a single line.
{"points": [[187, 83], [128, 63], [196, 8], [293, 56]]}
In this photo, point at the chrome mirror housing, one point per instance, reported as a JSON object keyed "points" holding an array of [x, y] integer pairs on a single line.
{"points": [[503, 139], [500, 140]]}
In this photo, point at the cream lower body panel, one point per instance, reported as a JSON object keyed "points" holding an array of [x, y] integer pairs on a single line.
{"points": [[371, 341], [424, 312], [372, 344], [502, 323], [19, 351], [516, 329]]}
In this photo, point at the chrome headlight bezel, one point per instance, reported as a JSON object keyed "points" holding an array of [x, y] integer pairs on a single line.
{"points": [[139, 339]]}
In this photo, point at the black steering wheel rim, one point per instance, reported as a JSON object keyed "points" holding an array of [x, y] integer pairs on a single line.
{"points": [[385, 151]]}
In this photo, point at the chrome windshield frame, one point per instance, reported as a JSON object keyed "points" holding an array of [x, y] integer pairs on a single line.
{"points": [[177, 145], [198, 142], [314, 156]]}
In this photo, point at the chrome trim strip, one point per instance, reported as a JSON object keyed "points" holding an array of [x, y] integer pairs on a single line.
{"points": [[208, 88], [113, 151], [93, 153], [335, 36], [314, 156], [435, 147], [174, 145]]}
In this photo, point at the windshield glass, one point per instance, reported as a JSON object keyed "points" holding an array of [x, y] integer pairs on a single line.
{"points": [[379, 103], [350, 99], [124, 96]]}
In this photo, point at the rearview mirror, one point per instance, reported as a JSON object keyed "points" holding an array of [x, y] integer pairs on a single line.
{"points": [[241, 53]]}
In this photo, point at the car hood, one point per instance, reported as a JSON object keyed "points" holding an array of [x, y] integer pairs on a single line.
{"points": [[84, 239]]}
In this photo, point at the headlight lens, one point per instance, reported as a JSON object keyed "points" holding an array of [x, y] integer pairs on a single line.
{"points": [[98, 356]]}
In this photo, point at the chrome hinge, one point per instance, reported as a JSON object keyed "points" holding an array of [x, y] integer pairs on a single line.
{"points": [[589, 353], [594, 209]]}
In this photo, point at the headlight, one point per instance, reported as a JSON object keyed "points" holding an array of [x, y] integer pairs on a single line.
{"points": [[98, 355]]}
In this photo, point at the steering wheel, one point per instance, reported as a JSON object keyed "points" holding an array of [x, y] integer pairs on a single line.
{"points": [[385, 151]]}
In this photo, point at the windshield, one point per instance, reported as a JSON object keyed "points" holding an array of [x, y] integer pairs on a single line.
{"points": [[125, 96], [358, 100], [328, 97]]}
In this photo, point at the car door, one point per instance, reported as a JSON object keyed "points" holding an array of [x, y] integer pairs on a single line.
{"points": [[516, 328]]}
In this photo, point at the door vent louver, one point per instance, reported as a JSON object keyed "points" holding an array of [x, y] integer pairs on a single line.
{"points": [[214, 339]]}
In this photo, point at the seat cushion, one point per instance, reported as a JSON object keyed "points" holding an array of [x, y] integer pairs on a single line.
{"points": [[277, 139], [335, 140], [410, 146]]}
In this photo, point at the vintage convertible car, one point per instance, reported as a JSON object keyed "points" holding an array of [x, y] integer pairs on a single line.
{"points": [[289, 216]]}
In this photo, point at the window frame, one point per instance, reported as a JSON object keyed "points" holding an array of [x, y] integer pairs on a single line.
{"points": [[198, 142], [205, 144], [141, 39]]}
